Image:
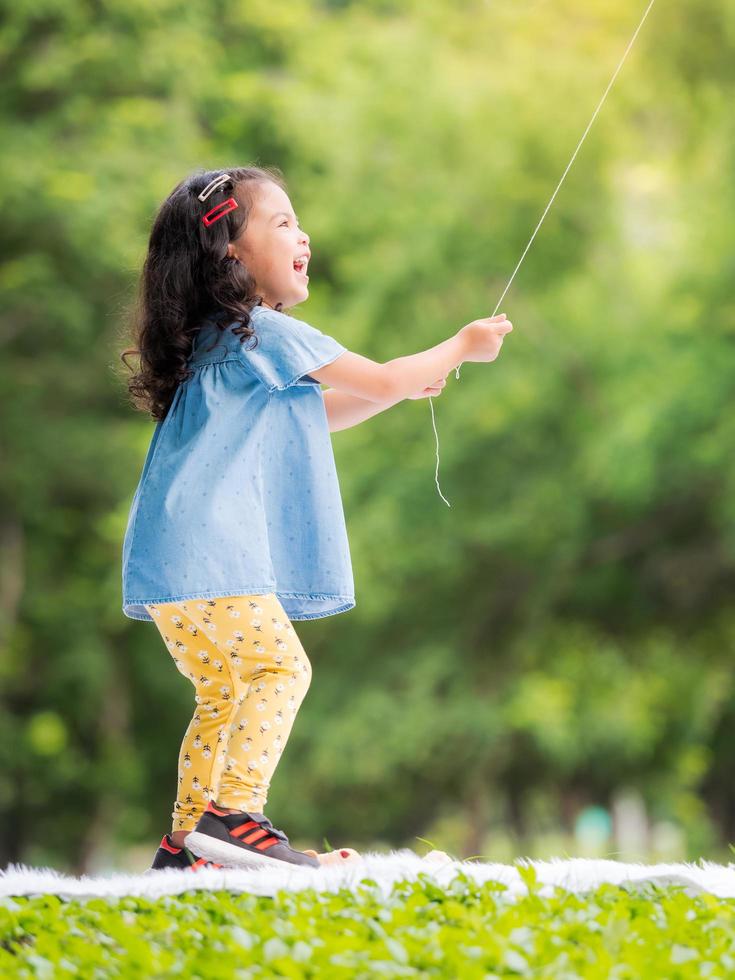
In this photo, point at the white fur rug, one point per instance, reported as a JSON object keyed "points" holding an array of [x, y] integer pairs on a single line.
{"points": [[575, 874]]}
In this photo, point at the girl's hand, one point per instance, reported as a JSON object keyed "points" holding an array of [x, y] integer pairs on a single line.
{"points": [[433, 389], [484, 338]]}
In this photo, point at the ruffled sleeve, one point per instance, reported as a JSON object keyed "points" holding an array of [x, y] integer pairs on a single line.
{"points": [[287, 350]]}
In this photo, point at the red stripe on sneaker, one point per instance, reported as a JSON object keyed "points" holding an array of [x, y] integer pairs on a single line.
{"points": [[243, 827], [267, 843], [211, 808], [199, 862], [167, 847], [256, 834]]}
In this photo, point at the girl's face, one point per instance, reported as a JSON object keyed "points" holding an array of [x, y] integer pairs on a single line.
{"points": [[271, 247]]}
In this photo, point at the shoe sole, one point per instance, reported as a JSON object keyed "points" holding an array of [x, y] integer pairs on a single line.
{"points": [[153, 871], [230, 854]]}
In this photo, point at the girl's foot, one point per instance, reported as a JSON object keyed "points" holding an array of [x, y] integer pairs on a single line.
{"points": [[244, 840]]}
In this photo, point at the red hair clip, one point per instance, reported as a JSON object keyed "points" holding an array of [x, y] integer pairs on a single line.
{"points": [[224, 207]]}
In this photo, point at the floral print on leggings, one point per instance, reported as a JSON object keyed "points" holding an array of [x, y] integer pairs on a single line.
{"points": [[250, 673]]}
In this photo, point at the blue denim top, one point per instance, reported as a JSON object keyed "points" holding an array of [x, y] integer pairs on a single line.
{"points": [[239, 492]]}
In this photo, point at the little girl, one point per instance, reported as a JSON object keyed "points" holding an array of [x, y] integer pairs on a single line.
{"points": [[236, 526]]}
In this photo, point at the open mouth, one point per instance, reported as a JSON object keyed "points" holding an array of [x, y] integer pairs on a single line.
{"points": [[300, 267]]}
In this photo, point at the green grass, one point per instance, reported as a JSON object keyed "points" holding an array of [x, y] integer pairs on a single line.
{"points": [[465, 930]]}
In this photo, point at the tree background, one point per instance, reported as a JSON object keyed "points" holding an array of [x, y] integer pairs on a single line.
{"points": [[528, 672]]}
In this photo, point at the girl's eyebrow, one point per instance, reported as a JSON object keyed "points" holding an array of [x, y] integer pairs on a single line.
{"points": [[285, 214]]}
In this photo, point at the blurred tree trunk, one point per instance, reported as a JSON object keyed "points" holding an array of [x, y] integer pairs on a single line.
{"points": [[516, 814], [572, 799], [12, 576], [477, 812], [12, 581], [113, 734]]}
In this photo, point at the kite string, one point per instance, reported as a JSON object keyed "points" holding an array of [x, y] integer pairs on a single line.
{"points": [[546, 211]]}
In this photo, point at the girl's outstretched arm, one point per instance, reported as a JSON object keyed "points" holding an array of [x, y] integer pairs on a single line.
{"points": [[394, 380], [366, 387], [345, 410]]}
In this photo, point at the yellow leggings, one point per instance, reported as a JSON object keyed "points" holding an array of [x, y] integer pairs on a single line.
{"points": [[250, 673]]}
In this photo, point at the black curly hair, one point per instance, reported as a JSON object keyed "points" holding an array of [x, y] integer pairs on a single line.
{"points": [[187, 276]]}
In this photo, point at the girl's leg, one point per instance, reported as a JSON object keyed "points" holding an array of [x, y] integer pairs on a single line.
{"points": [[254, 637], [202, 753]]}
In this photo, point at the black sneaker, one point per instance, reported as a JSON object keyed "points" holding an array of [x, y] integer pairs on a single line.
{"points": [[244, 840], [170, 856]]}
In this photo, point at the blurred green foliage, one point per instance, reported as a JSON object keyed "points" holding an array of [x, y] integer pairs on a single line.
{"points": [[454, 927], [566, 627]]}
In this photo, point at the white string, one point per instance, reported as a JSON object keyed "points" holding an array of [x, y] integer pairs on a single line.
{"points": [[548, 206]]}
